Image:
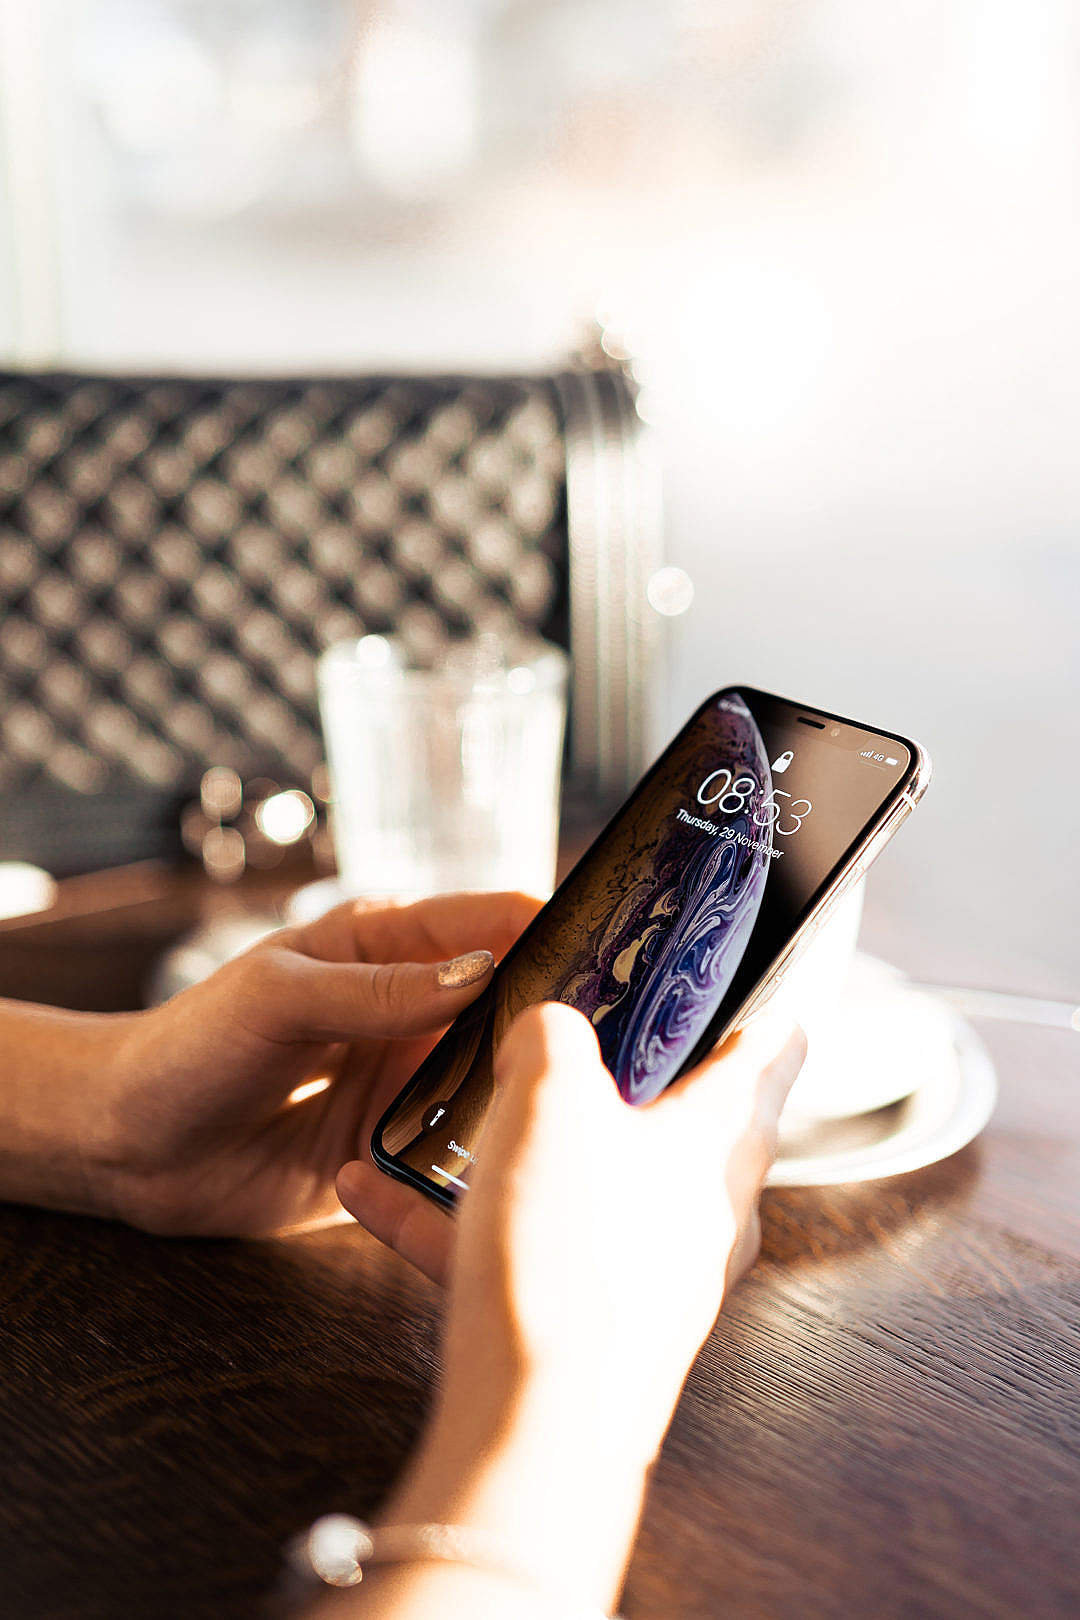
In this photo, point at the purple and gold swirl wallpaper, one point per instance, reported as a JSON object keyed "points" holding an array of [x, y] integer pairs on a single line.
{"points": [[652, 976], [644, 938]]}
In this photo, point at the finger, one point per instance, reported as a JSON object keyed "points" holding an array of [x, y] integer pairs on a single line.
{"points": [[398, 1216], [728, 1107], [430, 930], [760, 1062], [546, 1040], [448, 924], [548, 1065], [332, 1001]]}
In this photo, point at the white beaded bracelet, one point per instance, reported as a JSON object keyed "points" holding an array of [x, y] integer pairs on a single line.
{"points": [[337, 1547]]}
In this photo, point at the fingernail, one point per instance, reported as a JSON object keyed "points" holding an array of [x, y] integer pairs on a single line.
{"points": [[463, 970]]}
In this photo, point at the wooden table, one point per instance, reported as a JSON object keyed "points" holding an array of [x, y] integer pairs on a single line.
{"points": [[885, 1423]]}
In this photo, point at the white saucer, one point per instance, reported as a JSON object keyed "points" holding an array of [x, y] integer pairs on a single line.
{"points": [[950, 1104]]}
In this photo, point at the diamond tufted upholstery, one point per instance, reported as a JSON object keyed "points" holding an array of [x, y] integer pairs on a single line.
{"points": [[175, 553]]}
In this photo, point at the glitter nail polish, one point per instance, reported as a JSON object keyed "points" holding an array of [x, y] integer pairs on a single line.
{"points": [[463, 970]]}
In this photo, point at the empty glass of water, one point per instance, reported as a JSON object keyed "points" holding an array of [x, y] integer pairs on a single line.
{"points": [[444, 777]]}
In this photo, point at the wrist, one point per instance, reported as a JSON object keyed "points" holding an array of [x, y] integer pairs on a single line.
{"points": [[58, 1140], [129, 1177], [108, 1148]]}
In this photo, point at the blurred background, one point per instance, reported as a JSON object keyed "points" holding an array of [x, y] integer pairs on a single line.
{"points": [[842, 241]]}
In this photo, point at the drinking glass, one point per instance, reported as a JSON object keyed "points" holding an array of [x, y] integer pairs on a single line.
{"points": [[444, 777]]}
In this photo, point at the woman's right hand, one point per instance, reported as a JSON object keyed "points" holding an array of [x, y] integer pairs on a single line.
{"points": [[593, 1251], [598, 1241]]}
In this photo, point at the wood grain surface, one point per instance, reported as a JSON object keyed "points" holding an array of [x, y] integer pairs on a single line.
{"points": [[885, 1423]]}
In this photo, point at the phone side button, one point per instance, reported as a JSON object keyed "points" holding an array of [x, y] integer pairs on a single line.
{"points": [[764, 996]]}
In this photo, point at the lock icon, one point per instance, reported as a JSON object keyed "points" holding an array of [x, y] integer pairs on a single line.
{"points": [[781, 763]]}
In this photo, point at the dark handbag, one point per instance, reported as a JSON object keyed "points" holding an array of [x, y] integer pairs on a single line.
{"points": [[176, 552]]}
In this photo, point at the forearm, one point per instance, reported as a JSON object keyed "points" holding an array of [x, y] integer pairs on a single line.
{"points": [[552, 1483], [556, 1484], [54, 1122]]}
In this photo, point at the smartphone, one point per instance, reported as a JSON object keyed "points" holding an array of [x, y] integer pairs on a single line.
{"points": [[680, 919]]}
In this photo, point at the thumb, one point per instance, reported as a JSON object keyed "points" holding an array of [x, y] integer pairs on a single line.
{"points": [[548, 1069], [345, 1000]]}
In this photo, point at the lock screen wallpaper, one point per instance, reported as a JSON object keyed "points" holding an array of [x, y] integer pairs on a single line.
{"points": [[666, 925]]}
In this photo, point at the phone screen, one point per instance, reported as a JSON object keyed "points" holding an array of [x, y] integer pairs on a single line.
{"points": [[673, 917]]}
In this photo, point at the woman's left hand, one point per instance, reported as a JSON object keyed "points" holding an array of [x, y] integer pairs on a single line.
{"points": [[192, 1128]]}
